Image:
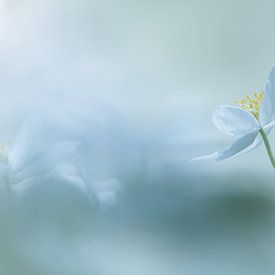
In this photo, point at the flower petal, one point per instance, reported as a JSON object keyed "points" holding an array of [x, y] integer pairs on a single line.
{"points": [[267, 111], [234, 120], [258, 140], [268, 127], [239, 146], [26, 142]]}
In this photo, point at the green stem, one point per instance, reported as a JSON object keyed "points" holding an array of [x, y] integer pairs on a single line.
{"points": [[267, 146]]}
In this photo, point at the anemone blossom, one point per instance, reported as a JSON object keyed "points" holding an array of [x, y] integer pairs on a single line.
{"points": [[250, 121]]}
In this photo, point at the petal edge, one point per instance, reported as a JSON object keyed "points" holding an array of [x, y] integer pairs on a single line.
{"points": [[238, 147], [233, 120]]}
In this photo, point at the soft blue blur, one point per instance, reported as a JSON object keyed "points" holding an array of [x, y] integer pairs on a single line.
{"points": [[103, 104]]}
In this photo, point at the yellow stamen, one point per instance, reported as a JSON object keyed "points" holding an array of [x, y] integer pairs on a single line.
{"points": [[252, 105]]}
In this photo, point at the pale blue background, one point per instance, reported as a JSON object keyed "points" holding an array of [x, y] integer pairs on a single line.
{"points": [[136, 82]]}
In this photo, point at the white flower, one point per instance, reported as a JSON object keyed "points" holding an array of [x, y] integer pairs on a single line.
{"points": [[251, 121], [31, 160]]}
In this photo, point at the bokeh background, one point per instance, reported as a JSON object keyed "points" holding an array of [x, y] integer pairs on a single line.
{"points": [[103, 104]]}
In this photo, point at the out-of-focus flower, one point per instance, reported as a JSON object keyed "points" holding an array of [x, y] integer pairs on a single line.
{"points": [[251, 121], [29, 160]]}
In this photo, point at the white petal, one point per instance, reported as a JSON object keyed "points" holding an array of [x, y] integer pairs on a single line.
{"points": [[206, 157], [106, 192], [234, 120], [48, 162], [267, 111], [239, 146], [268, 127], [26, 142], [258, 140]]}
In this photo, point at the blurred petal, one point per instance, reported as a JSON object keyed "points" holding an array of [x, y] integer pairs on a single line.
{"points": [[239, 146], [26, 143], [234, 120], [268, 106], [43, 163], [106, 192]]}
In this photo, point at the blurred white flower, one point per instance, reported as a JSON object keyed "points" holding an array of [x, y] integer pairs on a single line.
{"points": [[254, 116], [31, 160]]}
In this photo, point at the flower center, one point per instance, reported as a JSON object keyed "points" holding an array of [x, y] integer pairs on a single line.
{"points": [[252, 104]]}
